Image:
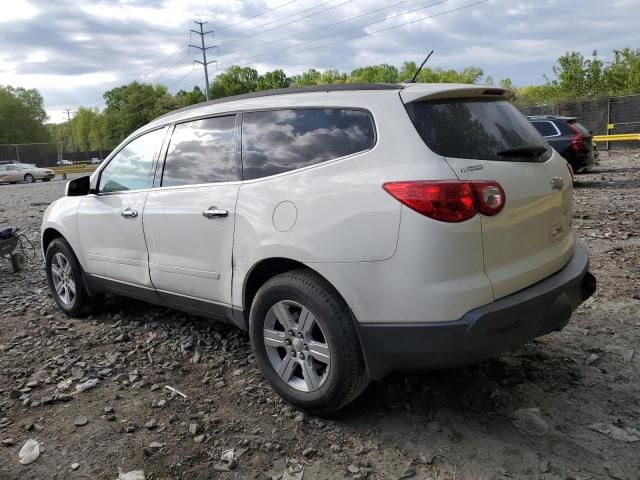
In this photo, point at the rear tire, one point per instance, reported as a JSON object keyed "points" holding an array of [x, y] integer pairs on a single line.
{"points": [[305, 343], [66, 279], [29, 178]]}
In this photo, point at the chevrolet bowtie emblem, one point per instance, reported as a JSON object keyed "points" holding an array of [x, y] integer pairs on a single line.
{"points": [[557, 183]]}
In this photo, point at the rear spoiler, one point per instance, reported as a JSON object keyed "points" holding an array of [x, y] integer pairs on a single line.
{"points": [[434, 91]]}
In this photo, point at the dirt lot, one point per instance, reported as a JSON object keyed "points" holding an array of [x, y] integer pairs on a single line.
{"points": [[466, 423]]}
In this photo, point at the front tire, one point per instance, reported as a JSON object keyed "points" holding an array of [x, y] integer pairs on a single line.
{"points": [[305, 343], [29, 178], [66, 280]]}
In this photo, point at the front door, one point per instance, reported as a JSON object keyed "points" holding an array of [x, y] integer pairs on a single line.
{"points": [[110, 222], [189, 220]]}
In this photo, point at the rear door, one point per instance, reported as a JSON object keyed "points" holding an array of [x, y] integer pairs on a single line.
{"points": [[484, 139], [189, 219]]}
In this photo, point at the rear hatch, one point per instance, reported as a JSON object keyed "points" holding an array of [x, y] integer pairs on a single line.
{"points": [[482, 136], [581, 138]]}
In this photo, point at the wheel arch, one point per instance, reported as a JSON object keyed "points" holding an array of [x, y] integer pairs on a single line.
{"points": [[48, 236], [268, 268]]}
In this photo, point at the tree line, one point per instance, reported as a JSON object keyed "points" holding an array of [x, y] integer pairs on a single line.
{"points": [[128, 107]]}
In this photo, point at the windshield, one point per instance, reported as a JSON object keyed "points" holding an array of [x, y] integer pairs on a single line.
{"points": [[478, 129]]}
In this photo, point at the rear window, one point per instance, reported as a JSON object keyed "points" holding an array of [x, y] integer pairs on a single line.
{"points": [[546, 129], [476, 129], [279, 141]]}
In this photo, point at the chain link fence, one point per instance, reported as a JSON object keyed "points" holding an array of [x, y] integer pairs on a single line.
{"points": [[621, 112], [48, 154]]}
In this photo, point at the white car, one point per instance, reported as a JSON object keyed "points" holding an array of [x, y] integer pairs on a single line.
{"points": [[353, 230], [20, 172], [62, 163]]}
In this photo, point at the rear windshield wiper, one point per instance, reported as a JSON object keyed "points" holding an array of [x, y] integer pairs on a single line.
{"points": [[523, 151]]}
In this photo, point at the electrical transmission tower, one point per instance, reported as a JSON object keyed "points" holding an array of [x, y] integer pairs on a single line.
{"points": [[204, 49], [73, 144]]}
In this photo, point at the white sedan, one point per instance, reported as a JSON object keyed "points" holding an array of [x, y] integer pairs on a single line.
{"points": [[16, 172]]}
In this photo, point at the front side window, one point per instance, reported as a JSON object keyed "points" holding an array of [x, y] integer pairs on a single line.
{"points": [[132, 167], [479, 130], [279, 141], [202, 151]]}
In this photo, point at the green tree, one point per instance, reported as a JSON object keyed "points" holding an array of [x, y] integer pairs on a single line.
{"points": [[375, 74], [272, 80], [22, 116], [131, 106], [622, 76], [310, 77], [190, 98], [235, 81]]}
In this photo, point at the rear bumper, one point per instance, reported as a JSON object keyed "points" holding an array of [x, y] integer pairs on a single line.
{"points": [[485, 331], [581, 161]]}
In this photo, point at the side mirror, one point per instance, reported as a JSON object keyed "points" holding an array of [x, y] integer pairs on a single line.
{"points": [[78, 187]]}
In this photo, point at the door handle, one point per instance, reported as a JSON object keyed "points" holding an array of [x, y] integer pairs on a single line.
{"points": [[127, 212], [215, 212]]}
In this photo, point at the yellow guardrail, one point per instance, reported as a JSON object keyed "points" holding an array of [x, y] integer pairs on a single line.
{"points": [[77, 168], [620, 137]]}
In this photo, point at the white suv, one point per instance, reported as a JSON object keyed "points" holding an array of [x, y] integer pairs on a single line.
{"points": [[353, 230]]}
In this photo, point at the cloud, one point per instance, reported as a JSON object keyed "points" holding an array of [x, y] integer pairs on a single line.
{"points": [[74, 51]]}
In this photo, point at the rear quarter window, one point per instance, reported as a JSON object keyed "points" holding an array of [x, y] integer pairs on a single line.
{"points": [[278, 141], [475, 129]]}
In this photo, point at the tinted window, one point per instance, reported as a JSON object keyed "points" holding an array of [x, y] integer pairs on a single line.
{"points": [[282, 140], [202, 151], [132, 167], [546, 129], [475, 129]]}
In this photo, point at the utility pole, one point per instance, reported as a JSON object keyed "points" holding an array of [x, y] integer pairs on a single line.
{"points": [[73, 146], [204, 49]]}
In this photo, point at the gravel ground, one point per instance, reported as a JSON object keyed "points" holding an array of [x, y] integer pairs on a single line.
{"points": [[566, 406]]}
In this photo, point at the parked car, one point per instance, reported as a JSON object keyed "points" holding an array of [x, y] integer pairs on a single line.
{"points": [[353, 230], [19, 172], [63, 162], [95, 161], [569, 138]]}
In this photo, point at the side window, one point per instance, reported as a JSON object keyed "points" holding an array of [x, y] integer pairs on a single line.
{"points": [[132, 167], [282, 140], [546, 129], [202, 151]]}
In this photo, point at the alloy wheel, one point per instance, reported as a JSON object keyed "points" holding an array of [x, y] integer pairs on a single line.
{"points": [[296, 346], [64, 282]]}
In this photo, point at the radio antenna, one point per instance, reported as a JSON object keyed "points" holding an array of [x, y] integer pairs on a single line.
{"points": [[413, 80]]}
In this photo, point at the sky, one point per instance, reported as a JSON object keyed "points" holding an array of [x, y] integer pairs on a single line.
{"points": [[73, 51]]}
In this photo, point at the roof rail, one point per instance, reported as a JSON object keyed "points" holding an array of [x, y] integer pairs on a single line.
{"points": [[336, 87]]}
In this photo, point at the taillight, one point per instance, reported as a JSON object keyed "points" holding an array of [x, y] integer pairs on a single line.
{"points": [[490, 197], [449, 200], [577, 141]]}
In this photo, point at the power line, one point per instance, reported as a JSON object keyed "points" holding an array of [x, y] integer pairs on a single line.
{"points": [[204, 49], [160, 64], [296, 20], [323, 27], [346, 31], [258, 15], [367, 34]]}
